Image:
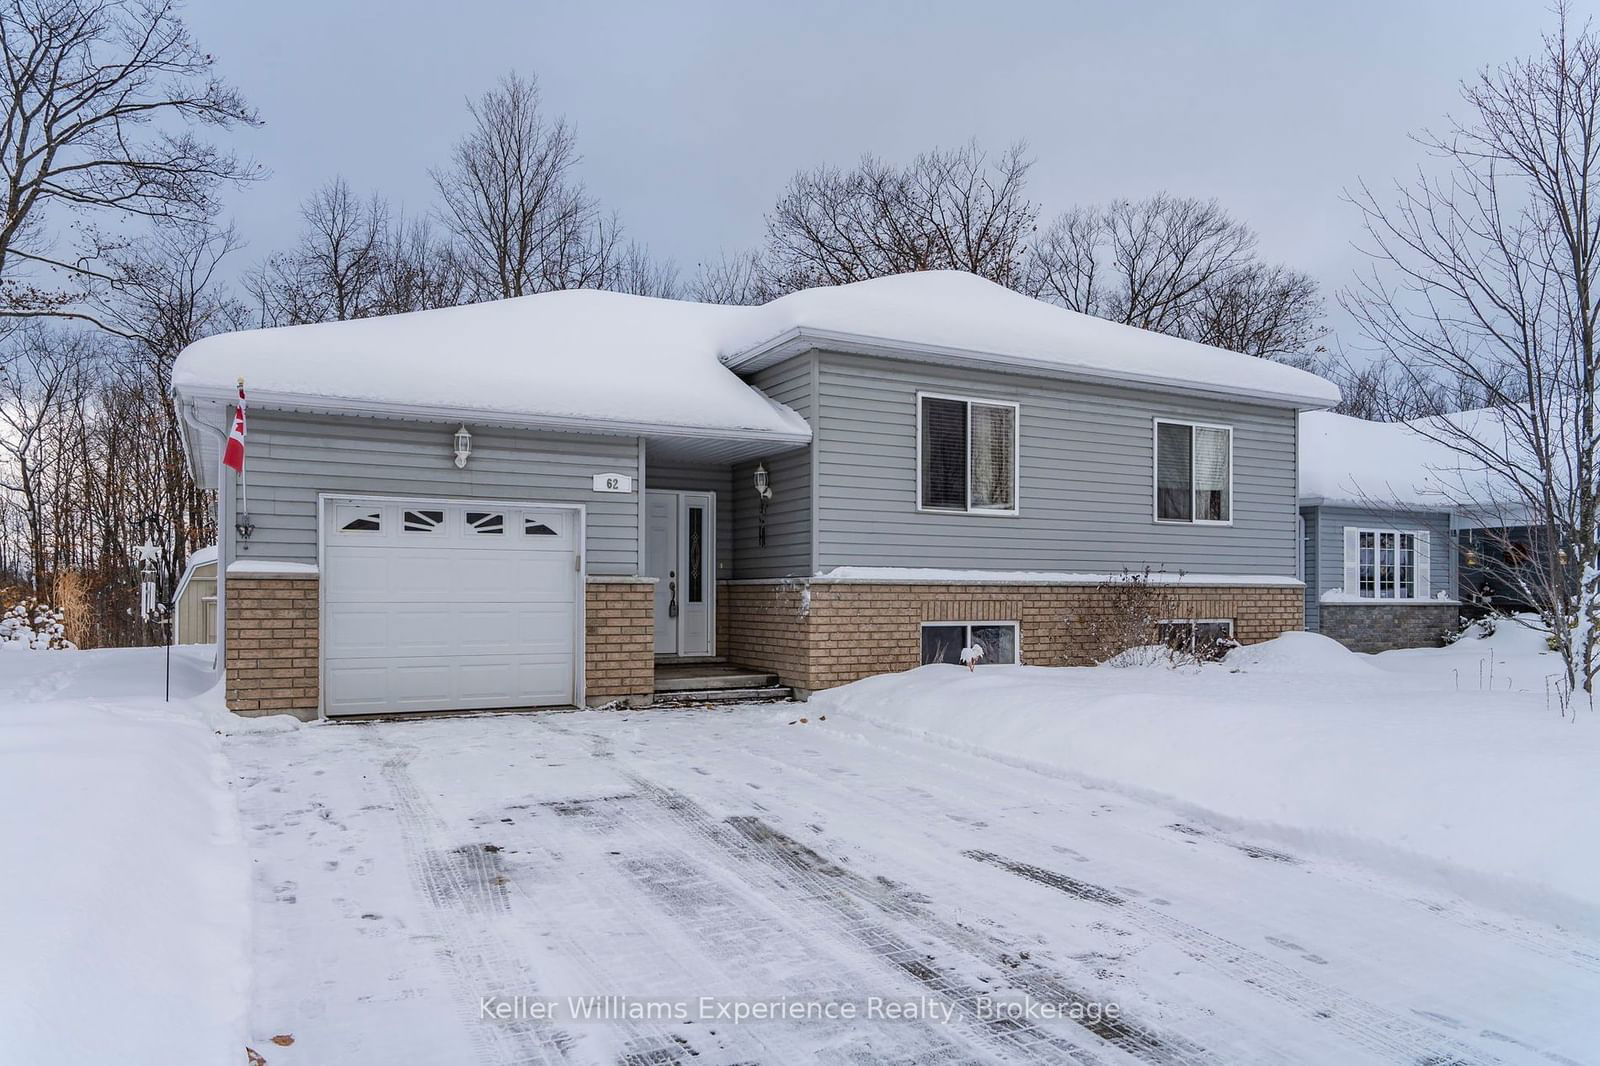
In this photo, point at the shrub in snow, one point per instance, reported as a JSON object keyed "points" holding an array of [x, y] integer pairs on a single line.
{"points": [[1129, 623], [35, 626]]}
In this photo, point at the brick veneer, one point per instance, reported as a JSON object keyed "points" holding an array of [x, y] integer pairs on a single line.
{"points": [[819, 634], [1378, 627], [272, 645], [620, 641]]}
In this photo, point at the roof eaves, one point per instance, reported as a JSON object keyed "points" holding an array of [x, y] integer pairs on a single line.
{"points": [[801, 339], [444, 413]]}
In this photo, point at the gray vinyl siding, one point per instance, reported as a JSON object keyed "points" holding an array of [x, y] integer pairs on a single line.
{"points": [[696, 478], [787, 552], [1312, 562], [1328, 546], [293, 458], [1086, 477]]}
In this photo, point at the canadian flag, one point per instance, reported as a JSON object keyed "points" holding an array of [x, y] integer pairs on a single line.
{"points": [[234, 455]]}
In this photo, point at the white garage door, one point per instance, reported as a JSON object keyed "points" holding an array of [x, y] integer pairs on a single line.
{"points": [[431, 606]]}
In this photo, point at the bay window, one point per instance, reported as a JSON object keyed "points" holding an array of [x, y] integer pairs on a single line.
{"points": [[1194, 472], [966, 455]]}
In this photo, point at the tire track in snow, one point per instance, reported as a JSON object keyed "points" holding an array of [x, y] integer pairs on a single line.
{"points": [[1363, 1023], [1554, 946], [846, 900], [463, 899]]}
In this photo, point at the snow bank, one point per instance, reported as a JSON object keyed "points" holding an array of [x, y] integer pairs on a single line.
{"points": [[615, 358], [124, 908], [1401, 760]]}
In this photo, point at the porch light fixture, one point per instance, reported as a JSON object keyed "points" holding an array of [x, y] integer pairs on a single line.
{"points": [[463, 447], [1472, 559], [1561, 556], [764, 491]]}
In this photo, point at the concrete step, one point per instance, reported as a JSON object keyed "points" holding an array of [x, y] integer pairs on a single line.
{"points": [[764, 694], [708, 681]]}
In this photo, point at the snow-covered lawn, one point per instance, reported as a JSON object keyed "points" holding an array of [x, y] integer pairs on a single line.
{"points": [[1321, 858], [124, 915], [1453, 766]]}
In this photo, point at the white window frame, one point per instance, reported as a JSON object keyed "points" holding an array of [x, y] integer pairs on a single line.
{"points": [[1155, 472], [1016, 457], [1016, 639], [1377, 532], [1192, 623]]}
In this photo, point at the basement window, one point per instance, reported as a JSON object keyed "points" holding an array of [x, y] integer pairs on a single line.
{"points": [[1206, 638], [942, 642]]}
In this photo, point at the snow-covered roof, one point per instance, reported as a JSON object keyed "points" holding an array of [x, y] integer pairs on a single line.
{"points": [[587, 360], [1397, 465], [576, 357], [963, 318]]}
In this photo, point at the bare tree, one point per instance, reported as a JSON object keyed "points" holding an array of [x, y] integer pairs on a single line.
{"points": [[418, 270], [43, 376], [1178, 266], [334, 272], [102, 103], [633, 270], [522, 220], [729, 279], [950, 209], [1490, 275], [1267, 311], [167, 295]]}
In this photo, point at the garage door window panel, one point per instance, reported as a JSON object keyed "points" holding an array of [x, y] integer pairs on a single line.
{"points": [[423, 522]]}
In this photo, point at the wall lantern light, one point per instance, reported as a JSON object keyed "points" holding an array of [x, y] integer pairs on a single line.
{"points": [[764, 491], [1472, 559], [1561, 556], [463, 447]]}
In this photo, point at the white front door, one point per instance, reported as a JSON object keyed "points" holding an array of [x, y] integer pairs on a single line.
{"points": [[681, 554], [430, 605], [661, 550]]}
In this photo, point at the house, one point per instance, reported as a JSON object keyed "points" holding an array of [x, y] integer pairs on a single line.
{"points": [[1378, 553], [1401, 532], [532, 502]]}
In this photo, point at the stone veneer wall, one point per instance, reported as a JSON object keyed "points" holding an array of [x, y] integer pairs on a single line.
{"points": [[819, 634], [620, 641], [272, 645], [1375, 627]]}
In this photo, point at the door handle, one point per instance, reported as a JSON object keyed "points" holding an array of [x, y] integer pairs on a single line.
{"points": [[672, 594]]}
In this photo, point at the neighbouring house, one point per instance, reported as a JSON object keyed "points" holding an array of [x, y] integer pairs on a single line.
{"points": [[1377, 552], [1400, 531], [194, 603], [534, 502]]}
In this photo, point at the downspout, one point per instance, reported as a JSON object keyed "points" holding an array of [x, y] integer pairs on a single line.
{"points": [[224, 525]]}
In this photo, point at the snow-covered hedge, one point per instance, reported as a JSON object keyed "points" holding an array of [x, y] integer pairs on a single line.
{"points": [[34, 626]]}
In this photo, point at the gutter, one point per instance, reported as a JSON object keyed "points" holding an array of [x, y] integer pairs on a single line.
{"points": [[801, 339], [333, 405], [224, 530]]}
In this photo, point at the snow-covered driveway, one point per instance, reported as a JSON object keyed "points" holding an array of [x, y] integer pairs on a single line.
{"points": [[413, 877]]}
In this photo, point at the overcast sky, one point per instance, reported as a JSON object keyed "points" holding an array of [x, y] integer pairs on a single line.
{"points": [[691, 116]]}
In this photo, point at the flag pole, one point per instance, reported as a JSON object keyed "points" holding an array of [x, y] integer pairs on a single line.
{"points": [[244, 482]]}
